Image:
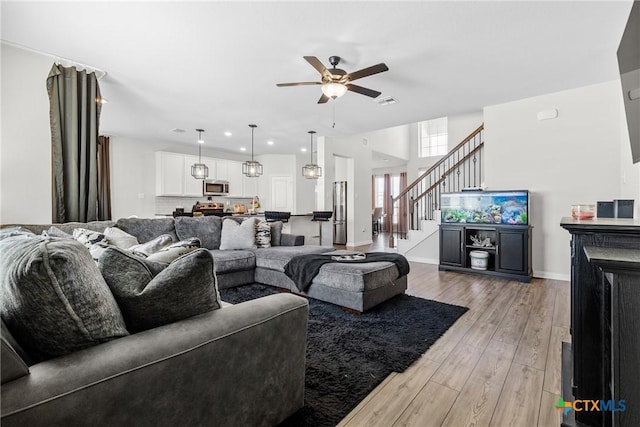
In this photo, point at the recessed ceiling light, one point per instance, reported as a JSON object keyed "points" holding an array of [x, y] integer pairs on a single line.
{"points": [[303, 150], [270, 142], [243, 149], [227, 133]]}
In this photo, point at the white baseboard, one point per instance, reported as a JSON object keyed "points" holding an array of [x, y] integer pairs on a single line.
{"points": [[423, 260], [364, 242], [551, 275]]}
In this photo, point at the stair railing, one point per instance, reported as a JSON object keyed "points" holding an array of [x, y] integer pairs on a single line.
{"points": [[460, 168]]}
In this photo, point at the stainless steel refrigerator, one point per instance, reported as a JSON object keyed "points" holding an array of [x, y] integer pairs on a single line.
{"points": [[340, 212]]}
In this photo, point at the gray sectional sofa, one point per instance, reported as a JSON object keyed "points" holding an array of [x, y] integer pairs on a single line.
{"points": [[238, 365]]}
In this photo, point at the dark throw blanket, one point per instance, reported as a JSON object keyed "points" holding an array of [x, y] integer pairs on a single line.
{"points": [[303, 268]]}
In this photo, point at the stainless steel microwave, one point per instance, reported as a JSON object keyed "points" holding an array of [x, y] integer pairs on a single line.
{"points": [[215, 187]]}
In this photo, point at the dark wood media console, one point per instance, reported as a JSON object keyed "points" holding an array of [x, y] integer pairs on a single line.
{"points": [[605, 325]]}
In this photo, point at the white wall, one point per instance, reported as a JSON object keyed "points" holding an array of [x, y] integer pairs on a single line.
{"points": [[358, 158], [575, 158], [305, 194], [25, 147], [391, 141], [458, 127]]}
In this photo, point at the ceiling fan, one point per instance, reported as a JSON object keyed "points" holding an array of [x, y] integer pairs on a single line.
{"points": [[336, 82]]}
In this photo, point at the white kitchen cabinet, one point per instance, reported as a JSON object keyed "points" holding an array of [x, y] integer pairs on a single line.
{"points": [[222, 170], [173, 174], [235, 178], [250, 187], [169, 174]]}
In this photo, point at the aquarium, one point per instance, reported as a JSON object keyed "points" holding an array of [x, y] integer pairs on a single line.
{"points": [[486, 207]]}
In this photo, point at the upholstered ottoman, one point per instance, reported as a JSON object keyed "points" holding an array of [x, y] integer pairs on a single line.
{"points": [[356, 286]]}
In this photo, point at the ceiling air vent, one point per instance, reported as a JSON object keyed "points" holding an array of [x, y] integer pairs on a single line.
{"points": [[386, 100], [178, 130]]}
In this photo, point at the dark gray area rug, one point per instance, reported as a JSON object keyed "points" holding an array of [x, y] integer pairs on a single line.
{"points": [[348, 354]]}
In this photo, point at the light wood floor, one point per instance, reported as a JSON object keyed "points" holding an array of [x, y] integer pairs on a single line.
{"points": [[498, 365]]}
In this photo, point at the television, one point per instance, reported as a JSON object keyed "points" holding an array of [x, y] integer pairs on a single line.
{"points": [[629, 65]]}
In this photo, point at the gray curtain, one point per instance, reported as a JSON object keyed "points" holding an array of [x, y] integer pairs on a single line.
{"points": [[74, 118], [104, 179]]}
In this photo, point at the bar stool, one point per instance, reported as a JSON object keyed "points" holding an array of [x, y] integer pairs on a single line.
{"points": [[271, 216], [320, 217]]}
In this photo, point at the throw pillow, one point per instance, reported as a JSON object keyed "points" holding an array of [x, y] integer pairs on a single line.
{"points": [[88, 237], [185, 288], [206, 228], [54, 231], [53, 297], [263, 234], [174, 251], [15, 231], [238, 236], [152, 246], [276, 233], [120, 238]]}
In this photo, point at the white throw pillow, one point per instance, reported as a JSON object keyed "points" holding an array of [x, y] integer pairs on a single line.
{"points": [[119, 238], [238, 236], [88, 237]]}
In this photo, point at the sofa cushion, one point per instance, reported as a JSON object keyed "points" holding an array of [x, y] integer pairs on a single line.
{"points": [[183, 289], [152, 246], [173, 251], [263, 234], [230, 261], [120, 238], [238, 236], [12, 365], [275, 258], [53, 298], [276, 232], [206, 228], [145, 229], [68, 227]]}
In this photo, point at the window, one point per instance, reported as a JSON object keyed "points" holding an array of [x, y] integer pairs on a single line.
{"points": [[433, 138], [379, 191]]}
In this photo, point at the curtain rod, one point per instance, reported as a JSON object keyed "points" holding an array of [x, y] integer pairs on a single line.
{"points": [[61, 61]]}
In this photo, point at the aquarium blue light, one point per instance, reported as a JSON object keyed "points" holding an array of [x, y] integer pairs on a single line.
{"points": [[486, 207]]}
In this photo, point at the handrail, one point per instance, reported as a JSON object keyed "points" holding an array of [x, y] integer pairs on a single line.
{"points": [[447, 173], [439, 162], [465, 160]]}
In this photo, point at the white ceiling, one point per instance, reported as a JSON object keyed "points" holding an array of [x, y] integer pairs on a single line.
{"points": [[215, 65]]}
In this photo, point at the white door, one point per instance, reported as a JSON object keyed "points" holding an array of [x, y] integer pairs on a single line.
{"points": [[281, 193]]}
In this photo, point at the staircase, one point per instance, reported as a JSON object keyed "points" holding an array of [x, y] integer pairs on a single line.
{"points": [[418, 205]]}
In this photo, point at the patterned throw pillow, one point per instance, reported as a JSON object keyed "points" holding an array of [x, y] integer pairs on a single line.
{"points": [[238, 236], [148, 299], [120, 238], [263, 234], [174, 251], [53, 297], [152, 246], [88, 237]]}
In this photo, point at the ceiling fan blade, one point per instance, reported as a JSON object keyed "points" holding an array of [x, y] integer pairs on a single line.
{"points": [[323, 99], [315, 63], [369, 71], [363, 90], [298, 84]]}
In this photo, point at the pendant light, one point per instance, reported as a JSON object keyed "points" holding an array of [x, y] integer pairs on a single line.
{"points": [[252, 168], [311, 170], [199, 170]]}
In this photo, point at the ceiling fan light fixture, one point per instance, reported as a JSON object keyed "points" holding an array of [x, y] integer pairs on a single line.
{"points": [[199, 170], [252, 168], [311, 170], [334, 90]]}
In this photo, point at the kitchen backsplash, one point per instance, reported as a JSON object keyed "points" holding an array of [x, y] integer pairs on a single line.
{"points": [[166, 205]]}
